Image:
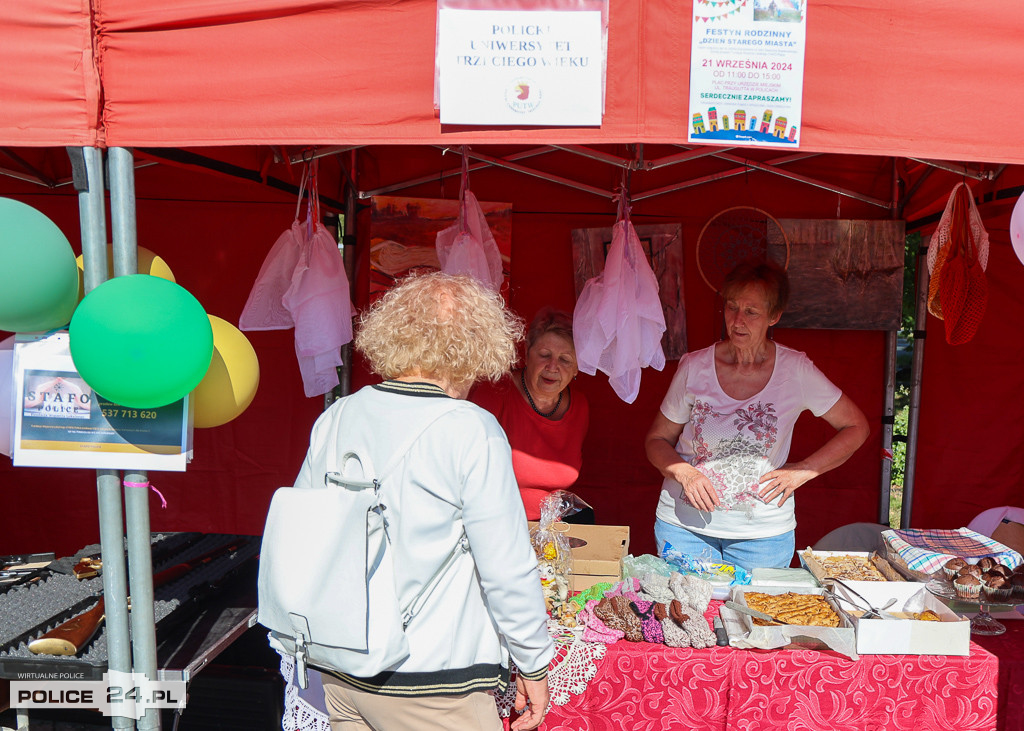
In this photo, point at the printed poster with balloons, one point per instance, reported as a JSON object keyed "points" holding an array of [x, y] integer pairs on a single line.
{"points": [[747, 72], [61, 422]]}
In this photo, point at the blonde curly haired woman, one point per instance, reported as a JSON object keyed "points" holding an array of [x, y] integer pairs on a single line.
{"points": [[430, 338]]}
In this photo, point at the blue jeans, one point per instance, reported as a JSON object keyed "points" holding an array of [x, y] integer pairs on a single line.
{"points": [[774, 552]]}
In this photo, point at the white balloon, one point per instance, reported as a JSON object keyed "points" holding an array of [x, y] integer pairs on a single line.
{"points": [[6, 395], [1017, 228]]}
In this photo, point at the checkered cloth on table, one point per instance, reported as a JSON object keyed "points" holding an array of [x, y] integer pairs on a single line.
{"points": [[926, 550]]}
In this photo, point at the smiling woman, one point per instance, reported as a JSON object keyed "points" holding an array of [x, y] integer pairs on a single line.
{"points": [[544, 418]]}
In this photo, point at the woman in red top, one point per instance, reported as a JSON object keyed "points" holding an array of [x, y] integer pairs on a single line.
{"points": [[544, 418]]}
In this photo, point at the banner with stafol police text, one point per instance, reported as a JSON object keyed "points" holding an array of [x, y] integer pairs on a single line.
{"points": [[747, 72], [59, 421]]}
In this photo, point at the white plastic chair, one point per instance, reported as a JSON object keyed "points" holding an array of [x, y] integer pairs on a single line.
{"points": [[987, 521]]}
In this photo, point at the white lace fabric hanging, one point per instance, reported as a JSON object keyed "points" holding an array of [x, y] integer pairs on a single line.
{"points": [[618, 321], [303, 284], [468, 246]]}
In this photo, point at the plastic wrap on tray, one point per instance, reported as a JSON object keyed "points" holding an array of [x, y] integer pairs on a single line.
{"points": [[841, 639]]}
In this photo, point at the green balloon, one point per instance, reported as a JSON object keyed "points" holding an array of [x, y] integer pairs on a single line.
{"points": [[141, 341], [38, 273]]}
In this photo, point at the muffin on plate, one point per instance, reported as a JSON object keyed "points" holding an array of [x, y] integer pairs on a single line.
{"points": [[970, 570], [986, 562], [997, 588], [952, 566], [1017, 585], [1002, 570], [967, 587]]}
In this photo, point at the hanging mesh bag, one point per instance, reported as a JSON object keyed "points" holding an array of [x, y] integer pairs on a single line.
{"points": [[963, 290], [939, 249]]}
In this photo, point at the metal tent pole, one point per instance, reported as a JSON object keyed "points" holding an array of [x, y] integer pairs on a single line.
{"points": [[916, 372], [888, 420], [349, 254], [87, 163], [889, 400], [136, 494]]}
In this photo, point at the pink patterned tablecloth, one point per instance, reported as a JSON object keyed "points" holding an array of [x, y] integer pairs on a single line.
{"points": [[644, 687], [805, 689], [1009, 648], [643, 690]]}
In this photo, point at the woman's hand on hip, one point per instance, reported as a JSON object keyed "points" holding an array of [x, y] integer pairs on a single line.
{"points": [[784, 481], [697, 488]]}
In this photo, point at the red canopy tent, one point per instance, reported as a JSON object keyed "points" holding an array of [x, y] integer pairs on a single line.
{"points": [[248, 86]]}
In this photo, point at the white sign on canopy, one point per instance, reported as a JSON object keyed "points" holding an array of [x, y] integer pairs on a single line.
{"points": [[517, 68]]}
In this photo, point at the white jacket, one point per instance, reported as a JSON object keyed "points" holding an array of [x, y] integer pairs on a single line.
{"points": [[457, 475]]}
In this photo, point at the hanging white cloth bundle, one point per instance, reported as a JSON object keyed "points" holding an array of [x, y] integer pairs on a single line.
{"points": [[264, 310], [618, 321], [303, 284], [468, 247]]}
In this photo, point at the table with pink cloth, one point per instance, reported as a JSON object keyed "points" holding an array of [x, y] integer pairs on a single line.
{"points": [[1009, 649], [646, 687]]}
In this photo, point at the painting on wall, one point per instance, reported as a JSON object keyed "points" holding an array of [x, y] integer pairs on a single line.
{"points": [[403, 232], [844, 274], [663, 245]]}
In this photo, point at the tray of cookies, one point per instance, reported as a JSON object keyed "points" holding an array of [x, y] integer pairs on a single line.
{"points": [[815, 620], [848, 566]]}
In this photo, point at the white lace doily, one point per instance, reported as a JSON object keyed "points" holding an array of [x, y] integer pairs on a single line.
{"points": [[299, 715], [573, 666], [569, 672]]}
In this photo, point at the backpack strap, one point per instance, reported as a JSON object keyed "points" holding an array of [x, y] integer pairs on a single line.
{"points": [[413, 606], [342, 479], [337, 474]]}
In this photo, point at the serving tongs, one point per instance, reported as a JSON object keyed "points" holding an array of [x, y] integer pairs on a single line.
{"points": [[870, 611]]}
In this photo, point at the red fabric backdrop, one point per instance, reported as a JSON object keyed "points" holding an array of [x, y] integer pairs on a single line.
{"points": [[972, 423], [214, 233]]}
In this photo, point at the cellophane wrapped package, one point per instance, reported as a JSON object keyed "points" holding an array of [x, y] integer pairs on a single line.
{"points": [[719, 574], [551, 544]]}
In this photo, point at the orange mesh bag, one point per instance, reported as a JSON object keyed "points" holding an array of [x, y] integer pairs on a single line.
{"points": [[940, 247], [963, 289]]}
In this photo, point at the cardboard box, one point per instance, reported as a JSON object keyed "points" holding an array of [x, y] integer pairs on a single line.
{"points": [[950, 636], [597, 552]]}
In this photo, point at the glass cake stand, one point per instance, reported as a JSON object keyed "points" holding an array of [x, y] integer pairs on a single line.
{"points": [[982, 623]]}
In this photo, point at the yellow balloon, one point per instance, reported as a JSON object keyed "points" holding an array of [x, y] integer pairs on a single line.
{"points": [[149, 263], [230, 385]]}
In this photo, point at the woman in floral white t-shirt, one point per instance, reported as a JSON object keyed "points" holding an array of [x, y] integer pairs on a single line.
{"points": [[723, 434]]}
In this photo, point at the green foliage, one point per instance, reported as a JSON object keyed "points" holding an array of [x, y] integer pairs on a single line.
{"points": [[913, 241], [902, 397]]}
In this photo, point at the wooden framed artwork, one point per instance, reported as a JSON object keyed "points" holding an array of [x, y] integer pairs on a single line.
{"points": [[844, 274], [403, 235]]}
